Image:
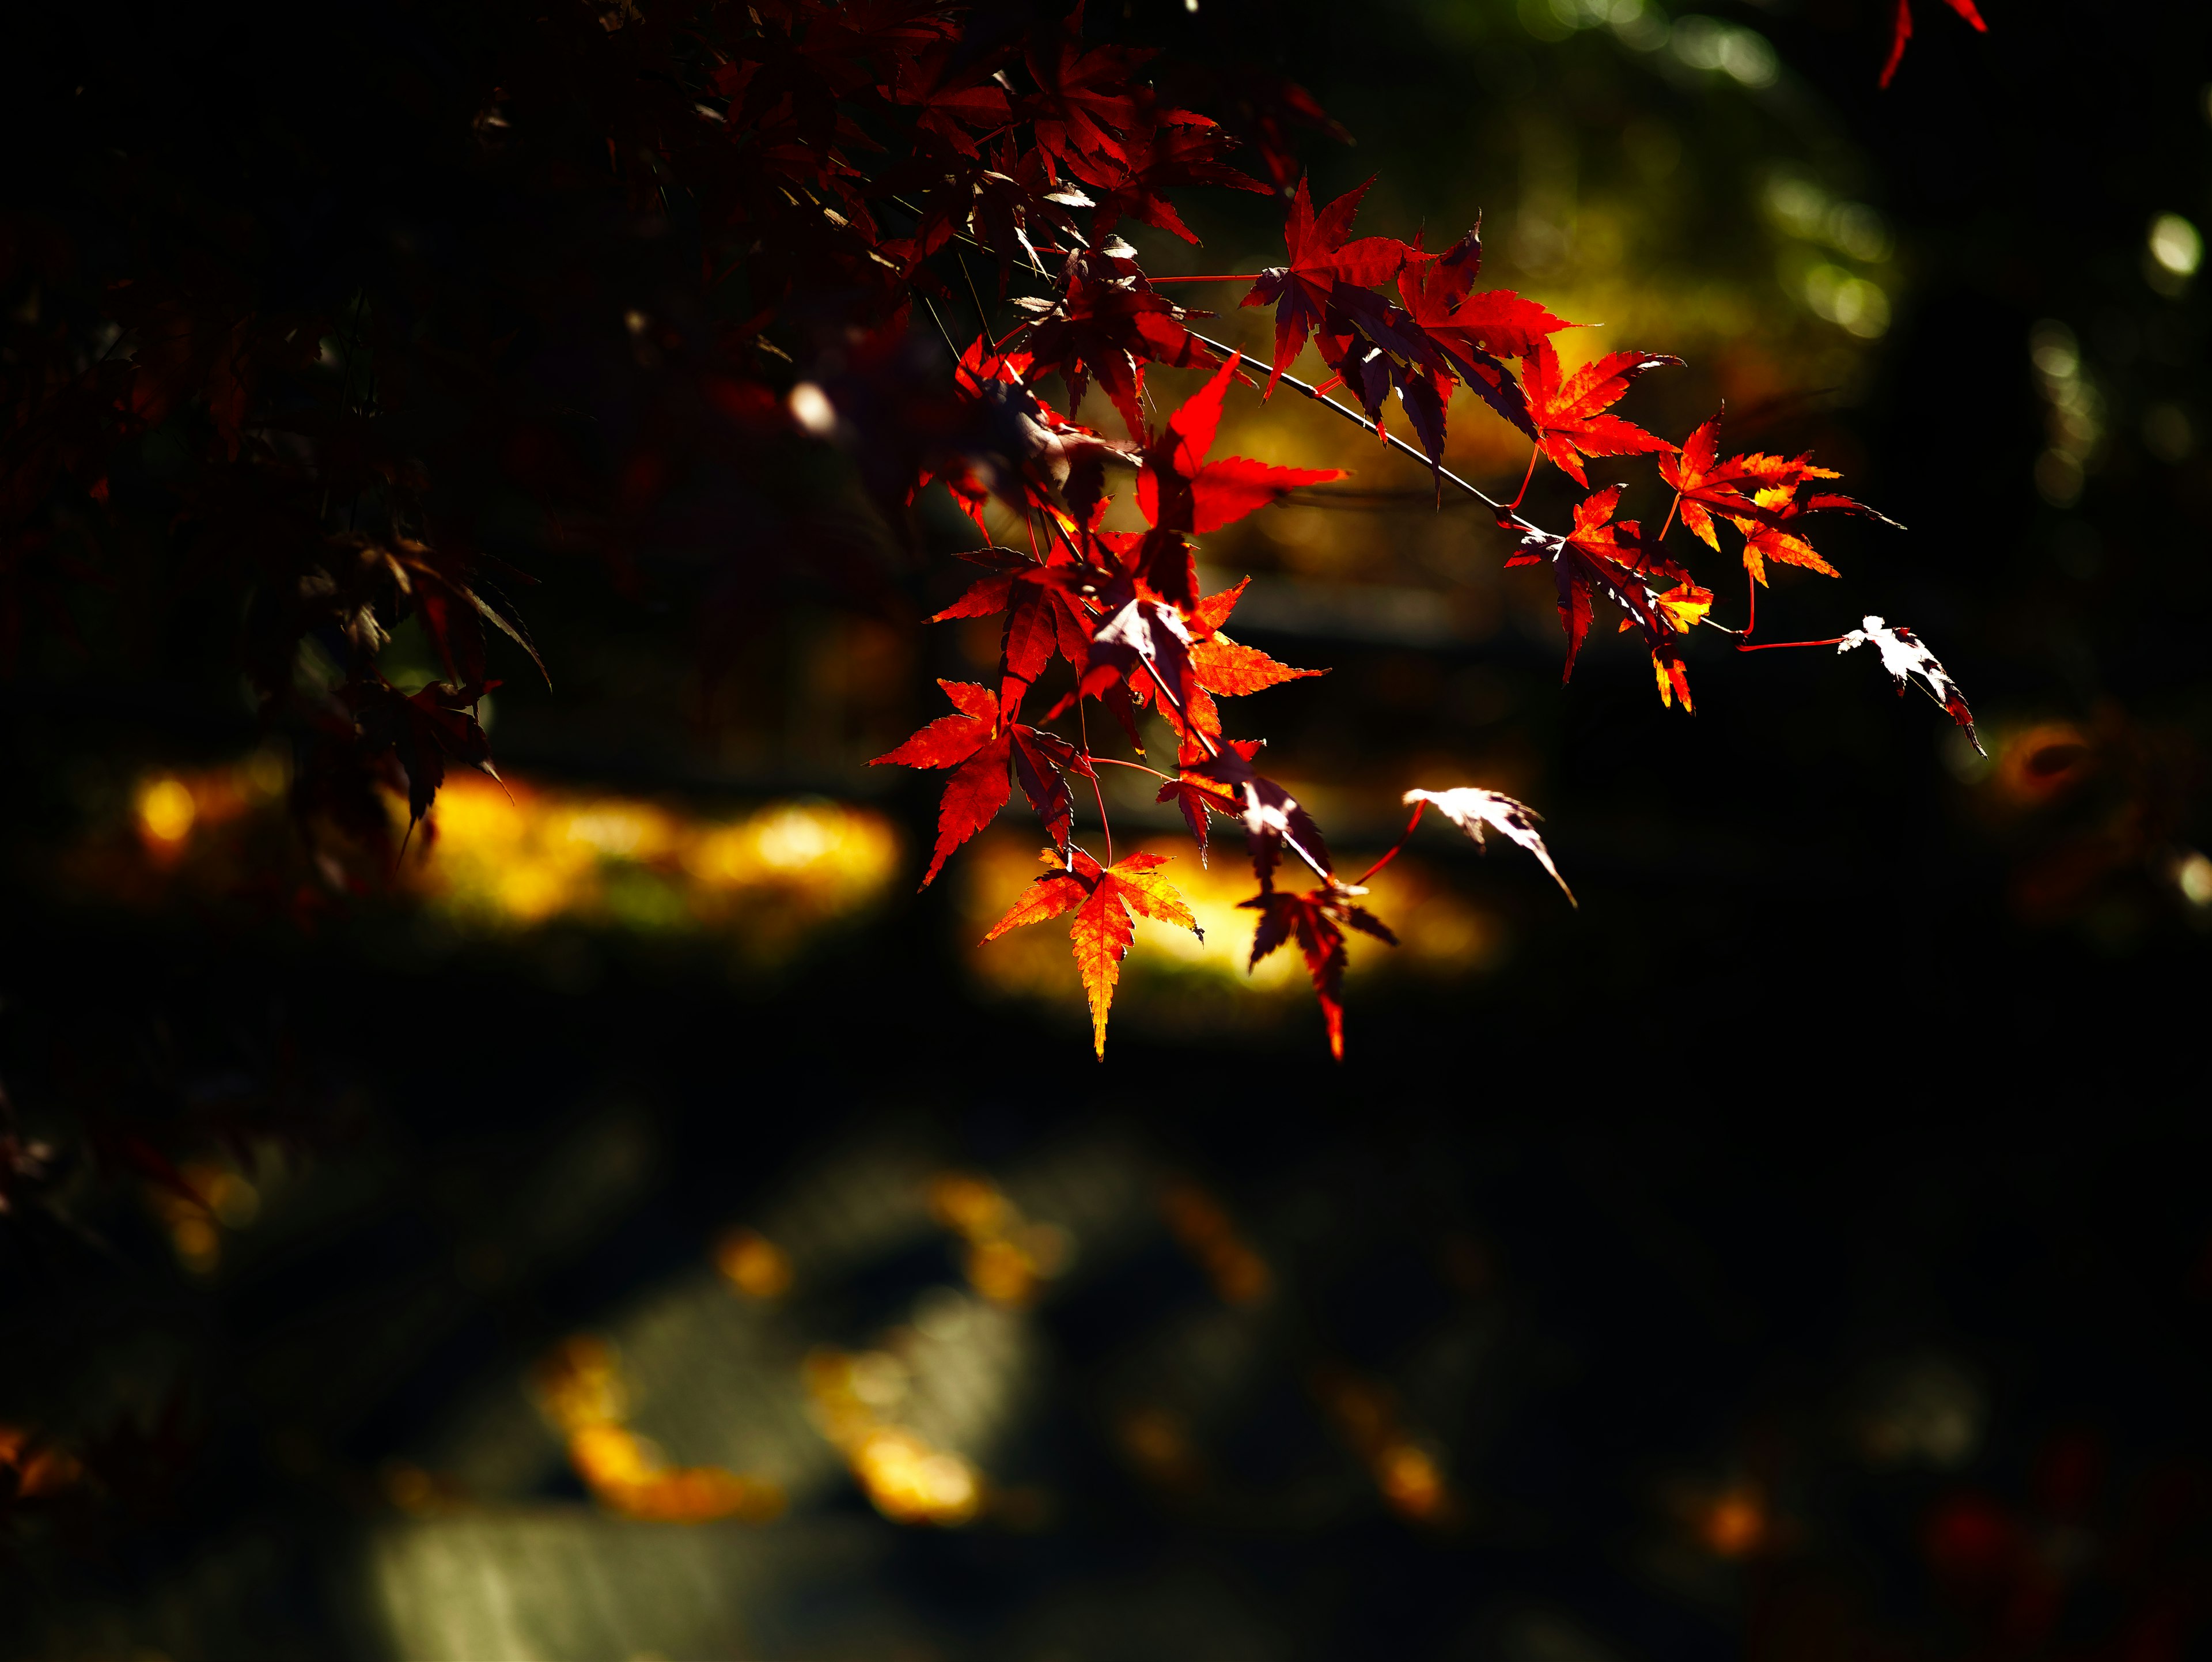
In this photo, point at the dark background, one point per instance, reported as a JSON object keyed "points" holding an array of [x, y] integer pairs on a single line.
{"points": [[1857, 1065]]}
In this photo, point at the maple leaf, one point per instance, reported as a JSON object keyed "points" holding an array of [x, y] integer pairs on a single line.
{"points": [[1196, 795], [1178, 489], [1179, 149], [1109, 323], [1228, 668], [1704, 486], [1107, 902], [1603, 556], [1901, 31], [1908, 659], [1084, 100], [1044, 614], [1323, 272], [1317, 919], [1272, 816], [424, 730], [954, 95], [1570, 417], [1768, 532], [983, 748], [1470, 807], [1475, 331]]}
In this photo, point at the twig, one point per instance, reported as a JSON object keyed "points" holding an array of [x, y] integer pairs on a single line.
{"points": [[1505, 515]]}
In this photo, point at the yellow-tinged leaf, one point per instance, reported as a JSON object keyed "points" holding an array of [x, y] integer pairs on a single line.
{"points": [[1685, 604], [1148, 893], [1049, 897], [1102, 932]]}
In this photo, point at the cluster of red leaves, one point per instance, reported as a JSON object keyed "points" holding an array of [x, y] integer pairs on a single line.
{"points": [[1122, 609], [838, 165]]}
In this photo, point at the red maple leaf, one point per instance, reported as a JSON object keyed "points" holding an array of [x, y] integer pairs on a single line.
{"points": [[1178, 148], [1901, 31], [1044, 612], [957, 96], [1107, 902], [1570, 417], [1475, 332], [1084, 101], [981, 748], [1228, 668], [1603, 556], [1324, 273], [1758, 495], [1109, 323], [1317, 919], [1178, 491]]}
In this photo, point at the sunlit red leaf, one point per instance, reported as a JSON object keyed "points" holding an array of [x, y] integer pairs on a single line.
{"points": [[1570, 417], [1907, 659], [1471, 808]]}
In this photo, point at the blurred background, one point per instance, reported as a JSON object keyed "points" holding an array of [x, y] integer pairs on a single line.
{"points": [[651, 1229]]}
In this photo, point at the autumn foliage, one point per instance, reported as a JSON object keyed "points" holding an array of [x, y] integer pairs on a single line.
{"points": [[907, 221]]}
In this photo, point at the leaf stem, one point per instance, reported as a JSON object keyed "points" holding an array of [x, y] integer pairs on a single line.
{"points": [[1360, 881], [1535, 455], [1113, 762], [1083, 725], [1233, 277], [1777, 646]]}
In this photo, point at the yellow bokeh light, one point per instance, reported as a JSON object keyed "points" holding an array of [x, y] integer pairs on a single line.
{"points": [[906, 1478], [520, 856], [1008, 1257], [753, 1264], [165, 811], [580, 1391]]}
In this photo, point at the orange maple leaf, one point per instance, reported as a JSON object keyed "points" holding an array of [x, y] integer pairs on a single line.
{"points": [[1107, 901]]}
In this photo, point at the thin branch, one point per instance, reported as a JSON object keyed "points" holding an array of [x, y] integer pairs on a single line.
{"points": [[1505, 512], [1233, 277]]}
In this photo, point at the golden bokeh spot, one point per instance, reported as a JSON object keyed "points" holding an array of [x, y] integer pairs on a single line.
{"points": [[755, 1265], [1410, 1481], [581, 1391], [1196, 1219], [1406, 1472], [1008, 1257], [905, 1477], [165, 811]]}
